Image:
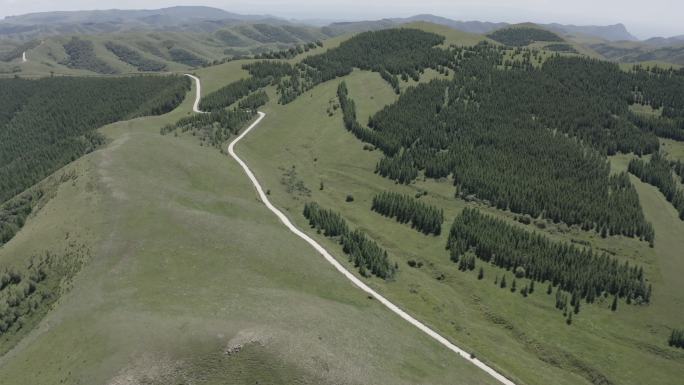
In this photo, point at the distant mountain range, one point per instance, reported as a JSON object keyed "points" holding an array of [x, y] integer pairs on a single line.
{"points": [[208, 19], [665, 41], [194, 18], [617, 32]]}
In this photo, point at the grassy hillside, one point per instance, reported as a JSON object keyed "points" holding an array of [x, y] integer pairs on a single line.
{"points": [[190, 279], [172, 50], [525, 337]]}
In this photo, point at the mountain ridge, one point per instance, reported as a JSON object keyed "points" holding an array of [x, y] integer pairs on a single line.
{"points": [[180, 17]]}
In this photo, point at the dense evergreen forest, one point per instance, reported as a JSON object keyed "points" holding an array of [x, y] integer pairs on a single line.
{"points": [[290, 52], [560, 47], [521, 36], [406, 209], [659, 172], [81, 55], [366, 255], [183, 56], [496, 132], [254, 100], [47, 123], [660, 126], [677, 338], [134, 58], [678, 168], [660, 89], [231, 93], [398, 52], [581, 272]]}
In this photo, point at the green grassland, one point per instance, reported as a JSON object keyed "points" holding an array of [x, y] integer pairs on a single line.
{"points": [[526, 338], [190, 279]]}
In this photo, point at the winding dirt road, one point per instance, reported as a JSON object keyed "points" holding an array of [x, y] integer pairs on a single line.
{"points": [[198, 93], [328, 257]]}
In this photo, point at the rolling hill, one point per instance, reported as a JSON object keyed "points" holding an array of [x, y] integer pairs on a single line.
{"points": [[185, 18], [616, 32], [482, 188]]}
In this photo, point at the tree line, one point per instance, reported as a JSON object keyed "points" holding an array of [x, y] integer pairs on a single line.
{"points": [[658, 172], [676, 338], [231, 93], [365, 253], [81, 55], [521, 36], [348, 108], [290, 52], [183, 56], [265, 69], [581, 272], [254, 100], [404, 52], [215, 127], [659, 88], [47, 123], [406, 209], [659, 125], [134, 58]]}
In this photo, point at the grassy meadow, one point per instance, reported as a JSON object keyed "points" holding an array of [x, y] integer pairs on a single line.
{"points": [[525, 338], [190, 279]]}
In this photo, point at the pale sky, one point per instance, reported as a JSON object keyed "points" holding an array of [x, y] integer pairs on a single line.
{"points": [[643, 18]]}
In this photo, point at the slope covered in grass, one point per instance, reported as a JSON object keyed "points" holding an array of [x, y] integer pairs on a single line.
{"points": [[191, 279], [526, 338]]}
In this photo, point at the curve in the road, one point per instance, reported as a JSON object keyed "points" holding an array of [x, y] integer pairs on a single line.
{"points": [[328, 257], [198, 93]]}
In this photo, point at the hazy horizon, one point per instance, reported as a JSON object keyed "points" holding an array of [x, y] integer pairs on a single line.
{"points": [[659, 18]]}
